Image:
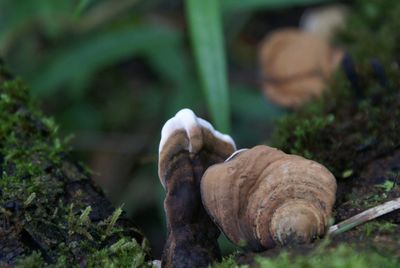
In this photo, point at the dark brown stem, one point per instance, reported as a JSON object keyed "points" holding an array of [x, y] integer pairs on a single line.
{"points": [[192, 236]]}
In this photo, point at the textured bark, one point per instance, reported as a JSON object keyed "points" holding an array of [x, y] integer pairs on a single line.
{"points": [[192, 236]]}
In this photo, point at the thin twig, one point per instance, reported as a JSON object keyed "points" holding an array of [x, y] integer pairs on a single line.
{"points": [[365, 216]]}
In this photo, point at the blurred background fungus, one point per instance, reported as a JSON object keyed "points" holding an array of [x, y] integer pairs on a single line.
{"points": [[112, 72]]}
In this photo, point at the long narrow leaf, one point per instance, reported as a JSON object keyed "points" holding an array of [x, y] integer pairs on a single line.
{"points": [[83, 59], [82, 5], [206, 32]]}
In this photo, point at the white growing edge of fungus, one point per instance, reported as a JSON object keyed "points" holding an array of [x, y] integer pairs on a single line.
{"points": [[235, 153], [187, 120]]}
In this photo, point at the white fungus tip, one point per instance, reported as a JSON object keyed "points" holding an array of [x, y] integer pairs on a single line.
{"points": [[186, 120], [216, 133]]}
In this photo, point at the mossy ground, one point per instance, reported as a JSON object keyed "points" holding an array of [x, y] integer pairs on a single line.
{"points": [[51, 214], [341, 256], [354, 131]]}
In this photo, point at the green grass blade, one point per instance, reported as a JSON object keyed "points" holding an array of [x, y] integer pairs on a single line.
{"points": [[238, 5], [206, 32], [81, 7], [81, 60]]}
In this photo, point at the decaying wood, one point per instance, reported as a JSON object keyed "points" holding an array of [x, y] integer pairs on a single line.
{"points": [[188, 146], [44, 221]]}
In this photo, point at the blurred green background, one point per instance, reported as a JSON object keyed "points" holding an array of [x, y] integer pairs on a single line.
{"points": [[112, 72]]}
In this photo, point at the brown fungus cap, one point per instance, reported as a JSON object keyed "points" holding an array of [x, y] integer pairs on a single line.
{"points": [[264, 197], [295, 66]]}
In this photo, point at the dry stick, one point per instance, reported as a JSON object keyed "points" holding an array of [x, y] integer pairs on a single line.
{"points": [[365, 216]]}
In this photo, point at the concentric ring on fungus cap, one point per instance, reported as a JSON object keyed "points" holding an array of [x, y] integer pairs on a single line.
{"points": [[264, 197]]}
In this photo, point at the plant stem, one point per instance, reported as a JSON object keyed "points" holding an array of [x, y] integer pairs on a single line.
{"points": [[365, 216]]}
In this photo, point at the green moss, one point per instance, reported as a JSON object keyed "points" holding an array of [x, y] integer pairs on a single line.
{"points": [[372, 31], [368, 201], [381, 227], [343, 256], [339, 257], [349, 130], [303, 132], [34, 260], [348, 122], [229, 262], [22, 157], [123, 253], [339, 128], [387, 186], [33, 181], [313, 126]]}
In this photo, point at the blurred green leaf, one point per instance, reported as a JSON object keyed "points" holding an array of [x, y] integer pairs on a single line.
{"points": [[207, 39], [261, 108], [80, 61], [186, 91], [18, 16], [254, 116], [161, 59], [81, 7], [236, 5], [82, 116], [102, 13]]}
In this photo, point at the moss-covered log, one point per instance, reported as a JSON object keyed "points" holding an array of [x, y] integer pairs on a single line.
{"points": [[51, 212], [354, 131]]}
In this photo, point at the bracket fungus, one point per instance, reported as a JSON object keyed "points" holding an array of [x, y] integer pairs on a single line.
{"points": [[259, 197], [295, 66], [188, 146], [263, 197]]}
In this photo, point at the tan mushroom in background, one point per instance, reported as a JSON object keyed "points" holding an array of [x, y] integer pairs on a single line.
{"points": [[296, 66]]}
